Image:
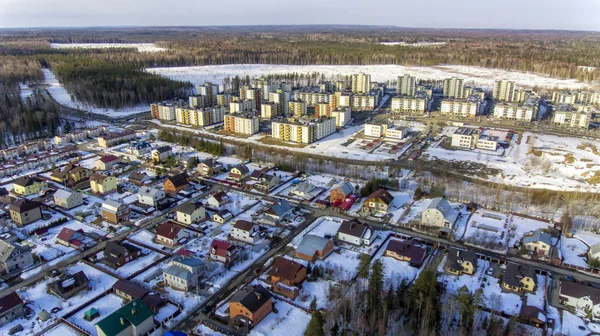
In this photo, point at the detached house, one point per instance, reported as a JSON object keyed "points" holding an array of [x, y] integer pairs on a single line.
{"points": [[519, 278], [305, 190], [314, 247], [190, 213], [244, 231], [69, 285], [222, 216], [106, 162], [150, 196], [161, 153], [70, 174], [13, 257], [406, 250], [138, 178], [130, 291], [176, 183], [209, 167], [461, 262], [67, 199], [170, 234], [114, 212], [103, 184], [223, 252], [4, 197], [184, 273], [11, 308], [287, 277], [24, 211], [580, 297], [439, 214], [28, 185], [277, 212], [118, 254], [139, 148], [133, 319], [219, 199], [266, 182], [73, 238], [238, 173], [340, 192], [250, 306], [538, 242], [356, 233], [378, 203]]}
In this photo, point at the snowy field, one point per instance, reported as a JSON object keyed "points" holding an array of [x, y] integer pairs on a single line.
{"points": [[141, 47], [488, 229], [573, 251], [288, 320], [106, 305], [539, 161], [415, 44], [61, 330], [380, 73], [60, 94], [521, 226], [344, 264]]}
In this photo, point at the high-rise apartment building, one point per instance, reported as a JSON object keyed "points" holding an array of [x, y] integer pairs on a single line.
{"points": [[242, 123], [209, 90], [406, 86], [269, 110], [504, 90], [453, 88], [281, 98], [296, 108], [361, 83]]}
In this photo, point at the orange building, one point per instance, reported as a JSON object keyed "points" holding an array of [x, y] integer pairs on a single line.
{"points": [[250, 306]]}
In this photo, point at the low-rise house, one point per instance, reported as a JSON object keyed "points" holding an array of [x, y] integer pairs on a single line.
{"points": [[222, 216], [114, 212], [439, 214], [28, 185], [69, 285], [133, 319], [533, 315], [580, 297], [118, 254], [209, 167], [150, 196], [170, 234], [250, 306], [305, 190], [406, 250], [24, 211], [130, 291], [218, 199], [139, 178], [184, 273], [340, 192], [356, 233], [115, 138], [287, 277], [162, 153], [4, 197], [176, 183], [277, 212], [13, 257], [238, 173], [461, 262], [266, 182], [190, 213], [519, 278], [103, 184], [314, 247], [11, 308], [67, 199], [244, 231], [223, 252], [139, 148], [70, 174], [538, 242], [378, 203], [73, 238], [107, 162]]}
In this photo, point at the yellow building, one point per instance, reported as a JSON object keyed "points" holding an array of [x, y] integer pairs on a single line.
{"points": [[519, 278], [103, 184], [29, 185]]}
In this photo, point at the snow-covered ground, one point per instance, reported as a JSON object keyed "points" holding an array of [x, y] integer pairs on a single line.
{"points": [[60, 94], [288, 320], [344, 264], [523, 226], [106, 305], [488, 229], [415, 44], [395, 270], [61, 330], [573, 251], [141, 47], [479, 76]]}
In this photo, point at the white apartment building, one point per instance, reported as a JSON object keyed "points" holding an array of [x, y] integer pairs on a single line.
{"points": [[471, 138], [197, 101], [344, 99], [242, 105], [201, 116], [303, 130], [269, 110], [527, 111], [363, 102], [361, 83], [576, 97], [222, 99], [406, 86], [453, 88], [164, 110], [379, 130], [281, 98], [572, 116], [311, 98], [504, 90], [297, 108], [461, 107], [242, 123], [416, 104], [209, 90], [342, 116]]}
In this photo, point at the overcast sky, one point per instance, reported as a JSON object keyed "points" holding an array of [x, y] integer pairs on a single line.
{"points": [[506, 14]]}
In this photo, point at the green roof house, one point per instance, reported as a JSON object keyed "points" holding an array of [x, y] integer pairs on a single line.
{"points": [[133, 319], [91, 314]]}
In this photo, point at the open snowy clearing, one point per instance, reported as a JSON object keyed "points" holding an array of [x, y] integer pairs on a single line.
{"points": [[288, 320], [380, 73], [141, 47]]}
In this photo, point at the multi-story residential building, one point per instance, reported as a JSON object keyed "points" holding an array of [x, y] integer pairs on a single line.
{"points": [[364, 102], [296, 108], [281, 98], [269, 110], [361, 83], [407, 86], [114, 212], [471, 138], [222, 99], [504, 90], [249, 93], [474, 92], [322, 109], [115, 138], [264, 85], [197, 101], [209, 90], [564, 97], [24, 211], [242, 123], [103, 184], [439, 214], [578, 116], [526, 111], [342, 116], [165, 110], [207, 116], [28, 185], [303, 130], [311, 98], [184, 273], [386, 130], [417, 104], [453, 88], [588, 97], [238, 105], [461, 107], [284, 86]]}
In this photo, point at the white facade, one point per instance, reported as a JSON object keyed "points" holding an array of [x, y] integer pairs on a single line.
{"points": [[361, 83], [454, 88], [504, 90], [407, 85], [303, 130], [572, 118], [512, 111], [150, 196], [460, 107], [409, 104], [241, 124], [363, 102], [342, 117], [383, 130]]}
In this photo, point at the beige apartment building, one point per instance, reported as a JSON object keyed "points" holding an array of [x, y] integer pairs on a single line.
{"points": [[303, 130]]}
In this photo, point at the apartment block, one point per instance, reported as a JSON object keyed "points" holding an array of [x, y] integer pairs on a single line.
{"points": [[197, 101], [165, 110], [363, 102], [572, 116], [248, 93], [264, 85], [453, 88], [303, 130], [405, 104], [269, 110], [296, 108], [200, 116], [576, 97], [361, 83], [527, 111], [461, 107], [342, 116], [379, 130], [222, 99], [504, 90], [471, 138], [239, 105], [406, 86], [281, 98], [246, 123], [311, 98], [474, 92], [322, 109], [209, 91]]}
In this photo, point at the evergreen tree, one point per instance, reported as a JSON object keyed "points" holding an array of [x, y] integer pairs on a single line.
{"points": [[315, 326]]}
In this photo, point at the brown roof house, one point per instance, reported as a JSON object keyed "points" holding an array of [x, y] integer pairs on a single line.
{"points": [[130, 291], [223, 252], [238, 173], [24, 211], [69, 285], [107, 162], [70, 174], [170, 234], [356, 233], [114, 212], [176, 183], [249, 306], [139, 178], [118, 254], [209, 167], [339, 192], [4, 196], [74, 238], [580, 297], [378, 203], [519, 278], [11, 308], [314, 247], [217, 200], [103, 184], [406, 250], [287, 277], [244, 231], [461, 262]]}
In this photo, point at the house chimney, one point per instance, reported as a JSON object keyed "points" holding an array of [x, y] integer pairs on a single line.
{"points": [[122, 321], [258, 296], [132, 311]]}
